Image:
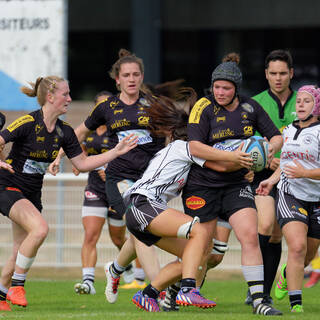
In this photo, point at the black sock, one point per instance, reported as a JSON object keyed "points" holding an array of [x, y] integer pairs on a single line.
{"points": [[295, 297], [129, 267], [271, 265], [3, 296], [264, 247], [151, 291], [188, 284]]}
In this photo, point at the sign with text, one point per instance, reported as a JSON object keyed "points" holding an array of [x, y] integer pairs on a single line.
{"points": [[33, 44]]}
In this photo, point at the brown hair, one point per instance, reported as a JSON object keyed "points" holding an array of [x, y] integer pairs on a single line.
{"points": [[232, 57], [125, 56], [41, 87], [167, 118]]}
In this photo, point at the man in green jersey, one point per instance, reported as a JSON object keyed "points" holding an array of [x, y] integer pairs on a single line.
{"points": [[279, 102]]}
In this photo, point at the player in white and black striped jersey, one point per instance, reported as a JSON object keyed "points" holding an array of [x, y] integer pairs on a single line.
{"points": [[298, 198]]}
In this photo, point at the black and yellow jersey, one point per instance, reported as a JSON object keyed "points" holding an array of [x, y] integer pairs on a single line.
{"points": [[211, 124], [122, 120], [34, 148]]}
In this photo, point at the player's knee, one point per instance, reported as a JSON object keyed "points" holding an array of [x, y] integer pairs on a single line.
{"points": [[186, 228]]}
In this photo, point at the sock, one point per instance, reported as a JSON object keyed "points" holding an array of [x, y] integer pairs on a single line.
{"points": [[128, 267], [187, 284], [271, 264], [254, 278], [139, 274], [295, 297], [3, 292], [88, 274], [116, 270], [18, 279], [264, 246], [151, 292]]}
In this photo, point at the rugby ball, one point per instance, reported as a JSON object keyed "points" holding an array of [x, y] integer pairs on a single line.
{"points": [[258, 148]]}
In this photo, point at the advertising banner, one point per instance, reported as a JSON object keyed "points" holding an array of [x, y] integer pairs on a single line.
{"points": [[32, 44]]}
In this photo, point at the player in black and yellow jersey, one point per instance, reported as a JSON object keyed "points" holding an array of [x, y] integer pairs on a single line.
{"points": [[215, 119], [37, 138]]}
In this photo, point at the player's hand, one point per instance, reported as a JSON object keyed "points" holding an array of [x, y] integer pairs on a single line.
{"points": [[274, 164], [249, 176], [271, 152], [54, 166], [264, 188], [295, 170], [75, 171], [102, 175], [242, 158], [126, 144], [6, 166]]}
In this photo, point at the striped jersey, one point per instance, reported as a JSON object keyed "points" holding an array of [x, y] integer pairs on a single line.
{"points": [[303, 145], [166, 173]]}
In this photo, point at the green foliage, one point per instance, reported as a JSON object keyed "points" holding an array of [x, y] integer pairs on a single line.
{"points": [[57, 300]]}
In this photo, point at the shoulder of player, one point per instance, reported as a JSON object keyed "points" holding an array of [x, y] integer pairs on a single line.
{"points": [[199, 108], [28, 120], [260, 96]]}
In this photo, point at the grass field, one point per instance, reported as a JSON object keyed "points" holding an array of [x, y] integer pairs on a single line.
{"points": [[56, 300]]}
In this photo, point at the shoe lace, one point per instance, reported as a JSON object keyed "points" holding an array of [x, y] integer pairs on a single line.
{"points": [[115, 284]]}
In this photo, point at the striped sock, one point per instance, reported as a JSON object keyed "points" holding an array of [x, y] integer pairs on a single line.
{"points": [[88, 274], [254, 278]]}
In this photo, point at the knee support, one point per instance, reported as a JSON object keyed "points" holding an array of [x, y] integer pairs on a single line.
{"points": [[24, 262], [219, 247], [185, 229]]}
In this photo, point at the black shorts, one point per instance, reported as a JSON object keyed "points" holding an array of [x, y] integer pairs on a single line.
{"points": [[139, 214], [211, 203], [10, 195], [291, 209], [93, 198], [260, 176], [115, 187]]}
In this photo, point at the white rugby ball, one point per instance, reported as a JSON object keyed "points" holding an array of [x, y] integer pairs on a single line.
{"points": [[258, 148]]}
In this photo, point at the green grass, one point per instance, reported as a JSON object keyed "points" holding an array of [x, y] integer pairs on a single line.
{"points": [[57, 300]]}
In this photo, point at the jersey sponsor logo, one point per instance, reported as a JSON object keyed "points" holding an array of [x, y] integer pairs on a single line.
{"points": [[143, 121], [54, 154], [303, 211], [113, 104], [120, 123], [307, 140], [143, 135], [197, 110], [246, 193], [195, 203], [19, 122], [40, 139], [144, 102], [297, 155], [38, 128], [39, 154], [247, 107], [89, 139], [216, 110], [221, 119], [35, 167], [223, 134], [92, 151], [228, 145], [248, 131], [90, 196], [117, 111], [244, 115], [59, 131]]}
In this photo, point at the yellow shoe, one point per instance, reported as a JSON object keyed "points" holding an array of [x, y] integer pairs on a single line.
{"points": [[135, 284]]}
